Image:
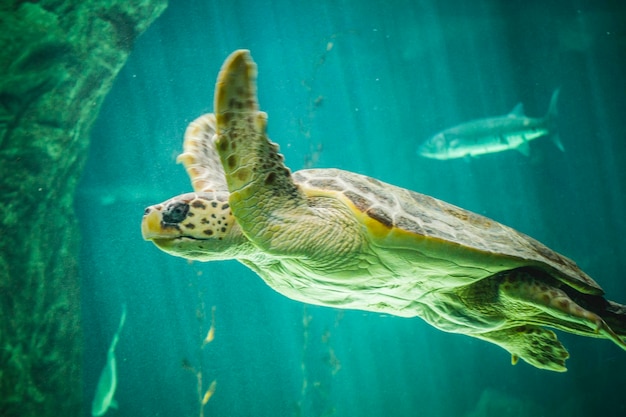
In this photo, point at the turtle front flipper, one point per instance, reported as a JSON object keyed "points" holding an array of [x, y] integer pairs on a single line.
{"points": [[251, 161], [200, 157], [271, 209], [535, 345]]}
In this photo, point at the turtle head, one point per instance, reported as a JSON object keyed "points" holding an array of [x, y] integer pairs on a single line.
{"points": [[198, 226]]}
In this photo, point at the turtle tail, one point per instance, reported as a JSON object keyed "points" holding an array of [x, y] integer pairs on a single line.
{"points": [[614, 315], [570, 310]]}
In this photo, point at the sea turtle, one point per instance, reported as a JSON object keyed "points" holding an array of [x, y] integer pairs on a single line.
{"points": [[339, 239]]}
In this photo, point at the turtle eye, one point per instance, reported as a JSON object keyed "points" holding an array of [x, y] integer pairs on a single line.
{"points": [[175, 212]]}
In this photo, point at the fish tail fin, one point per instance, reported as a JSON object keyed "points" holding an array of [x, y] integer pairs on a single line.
{"points": [[552, 108], [123, 318], [551, 120], [556, 139]]}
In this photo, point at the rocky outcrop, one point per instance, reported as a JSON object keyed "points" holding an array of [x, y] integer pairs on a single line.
{"points": [[58, 60]]}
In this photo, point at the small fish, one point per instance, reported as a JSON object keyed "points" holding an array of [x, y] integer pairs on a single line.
{"points": [[209, 392], [497, 134], [103, 399]]}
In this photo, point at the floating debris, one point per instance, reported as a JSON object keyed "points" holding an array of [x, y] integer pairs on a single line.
{"points": [[211, 334], [209, 392]]}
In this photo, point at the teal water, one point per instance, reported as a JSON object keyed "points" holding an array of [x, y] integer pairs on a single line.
{"points": [[356, 85]]}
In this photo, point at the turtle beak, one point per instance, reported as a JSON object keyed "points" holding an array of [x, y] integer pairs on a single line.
{"points": [[151, 225]]}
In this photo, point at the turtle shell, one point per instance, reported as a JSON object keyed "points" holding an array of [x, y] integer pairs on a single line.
{"points": [[396, 218]]}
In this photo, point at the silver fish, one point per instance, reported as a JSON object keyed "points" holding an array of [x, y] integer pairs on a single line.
{"points": [[103, 399], [497, 134]]}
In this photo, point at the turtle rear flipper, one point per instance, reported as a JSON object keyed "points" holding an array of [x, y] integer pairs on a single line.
{"points": [[612, 313], [535, 345], [570, 313]]}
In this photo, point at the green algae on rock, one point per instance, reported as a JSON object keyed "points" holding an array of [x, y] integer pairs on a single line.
{"points": [[58, 61]]}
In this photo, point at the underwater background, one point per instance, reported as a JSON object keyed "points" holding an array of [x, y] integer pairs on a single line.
{"points": [[356, 85]]}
